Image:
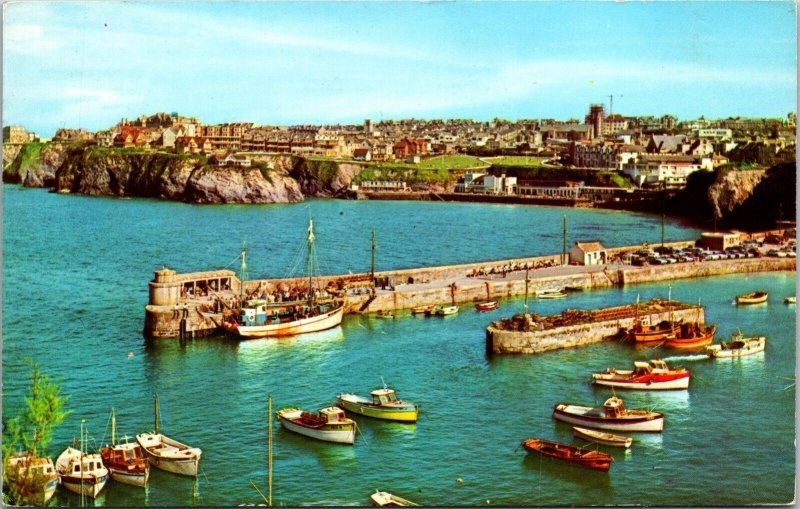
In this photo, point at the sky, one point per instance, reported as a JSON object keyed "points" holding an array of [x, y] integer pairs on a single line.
{"points": [[89, 64]]}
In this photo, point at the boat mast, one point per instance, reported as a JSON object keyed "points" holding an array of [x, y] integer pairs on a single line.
{"points": [[372, 265], [113, 427], [564, 252], [243, 272], [156, 414], [669, 303], [269, 455], [526, 290], [83, 474], [309, 261]]}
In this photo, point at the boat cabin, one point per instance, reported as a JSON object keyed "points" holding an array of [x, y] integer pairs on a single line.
{"points": [[90, 464], [614, 407], [383, 396], [333, 415]]}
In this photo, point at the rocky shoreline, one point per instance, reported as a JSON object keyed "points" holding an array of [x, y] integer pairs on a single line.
{"points": [[728, 198]]}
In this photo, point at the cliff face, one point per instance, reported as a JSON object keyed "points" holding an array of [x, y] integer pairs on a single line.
{"points": [[323, 178], [96, 171], [10, 152], [731, 188], [33, 164]]}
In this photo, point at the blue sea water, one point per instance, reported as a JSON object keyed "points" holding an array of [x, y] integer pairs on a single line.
{"points": [[75, 274]]}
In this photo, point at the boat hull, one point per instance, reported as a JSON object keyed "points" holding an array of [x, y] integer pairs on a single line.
{"points": [[574, 415], [593, 460], [602, 438], [90, 487], [387, 414], [177, 458], [339, 436], [750, 348], [650, 385], [752, 298], [317, 323], [487, 306], [131, 478]]}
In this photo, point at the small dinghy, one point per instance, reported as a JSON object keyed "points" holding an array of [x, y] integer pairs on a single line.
{"points": [[386, 499], [599, 437], [758, 297], [577, 456], [487, 306]]}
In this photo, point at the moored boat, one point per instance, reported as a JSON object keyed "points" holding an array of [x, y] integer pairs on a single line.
{"points": [[329, 425], [386, 499], [643, 333], [423, 310], [757, 297], [35, 477], [739, 346], [551, 294], [446, 310], [125, 462], [261, 319], [600, 437], [790, 300], [692, 335], [611, 416], [82, 473], [577, 456], [383, 405], [652, 375], [168, 454], [487, 306]]}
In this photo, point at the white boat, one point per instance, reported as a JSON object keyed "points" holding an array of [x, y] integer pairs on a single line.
{"points": [[739, 346], [446, 310], [81, 473], [37, 475], [260, 319], [168, 454], [599, 437], [611, 416], [652, 375], [386, 499], [550, 294], [790, 300], [329, 425]]}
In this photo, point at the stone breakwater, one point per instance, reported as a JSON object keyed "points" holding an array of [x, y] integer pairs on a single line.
{"points": [[538, 340], [192, 304]]}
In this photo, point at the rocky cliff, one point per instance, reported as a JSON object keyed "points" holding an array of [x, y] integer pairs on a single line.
{"points": [[322, 177], [32, 164]]}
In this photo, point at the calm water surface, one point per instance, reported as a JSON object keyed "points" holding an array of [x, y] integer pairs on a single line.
{"points": [[75, 274]]}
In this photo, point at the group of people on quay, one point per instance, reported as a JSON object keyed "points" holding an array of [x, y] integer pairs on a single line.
{"points": [[511, 267]]}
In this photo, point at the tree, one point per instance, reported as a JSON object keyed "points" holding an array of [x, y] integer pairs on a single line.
{"points": [[32, 431]]}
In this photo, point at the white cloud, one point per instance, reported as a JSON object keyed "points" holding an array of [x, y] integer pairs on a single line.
{"points": [[28, 39], [89, 103]]}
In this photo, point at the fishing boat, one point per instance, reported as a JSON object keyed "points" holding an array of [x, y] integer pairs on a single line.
{"points": [[551, 294], [36, 477], [386, 499], [611, 416], [81, 473], [757, 297], [790, 300], [487, 306], [446, 310], [329, 425], [125, 461], [423, 310], [585, 458], [168, 454], [383, 405], [653, 375], [644, 332], [261, 319], [739, 346], [599, 437], [692, 335]]}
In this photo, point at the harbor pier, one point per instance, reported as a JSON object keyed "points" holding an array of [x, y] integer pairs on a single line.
{"points": [[192, 304]]}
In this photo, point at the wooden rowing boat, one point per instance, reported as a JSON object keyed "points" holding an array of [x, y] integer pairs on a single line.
{"points": [[757, 297], [487, 306], [599, 437], [577, 456]]}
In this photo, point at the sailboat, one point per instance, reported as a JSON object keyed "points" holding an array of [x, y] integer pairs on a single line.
{"points": [[261, 319], [125, 461], [168, 454], [81, 473]]}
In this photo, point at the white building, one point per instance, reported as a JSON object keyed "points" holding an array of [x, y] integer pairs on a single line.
{"points": [[588, 253], [666, 170]]}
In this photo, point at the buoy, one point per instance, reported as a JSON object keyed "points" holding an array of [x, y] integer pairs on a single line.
{"points": [[488, 501], [130, 354], [460, 480]]}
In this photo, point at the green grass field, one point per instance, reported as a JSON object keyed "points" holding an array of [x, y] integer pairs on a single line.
{"points": [[531, 161]]}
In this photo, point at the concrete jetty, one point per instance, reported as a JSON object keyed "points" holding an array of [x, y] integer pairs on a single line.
{"points": [[572, 328], [191, 304]]}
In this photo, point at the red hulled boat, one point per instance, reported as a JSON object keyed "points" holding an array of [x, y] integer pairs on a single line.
{"points": [[487, 306], [692, 335], [577, 456]]}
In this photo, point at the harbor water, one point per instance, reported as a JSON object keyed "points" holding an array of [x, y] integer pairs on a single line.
{"points": [[75, 274]]}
